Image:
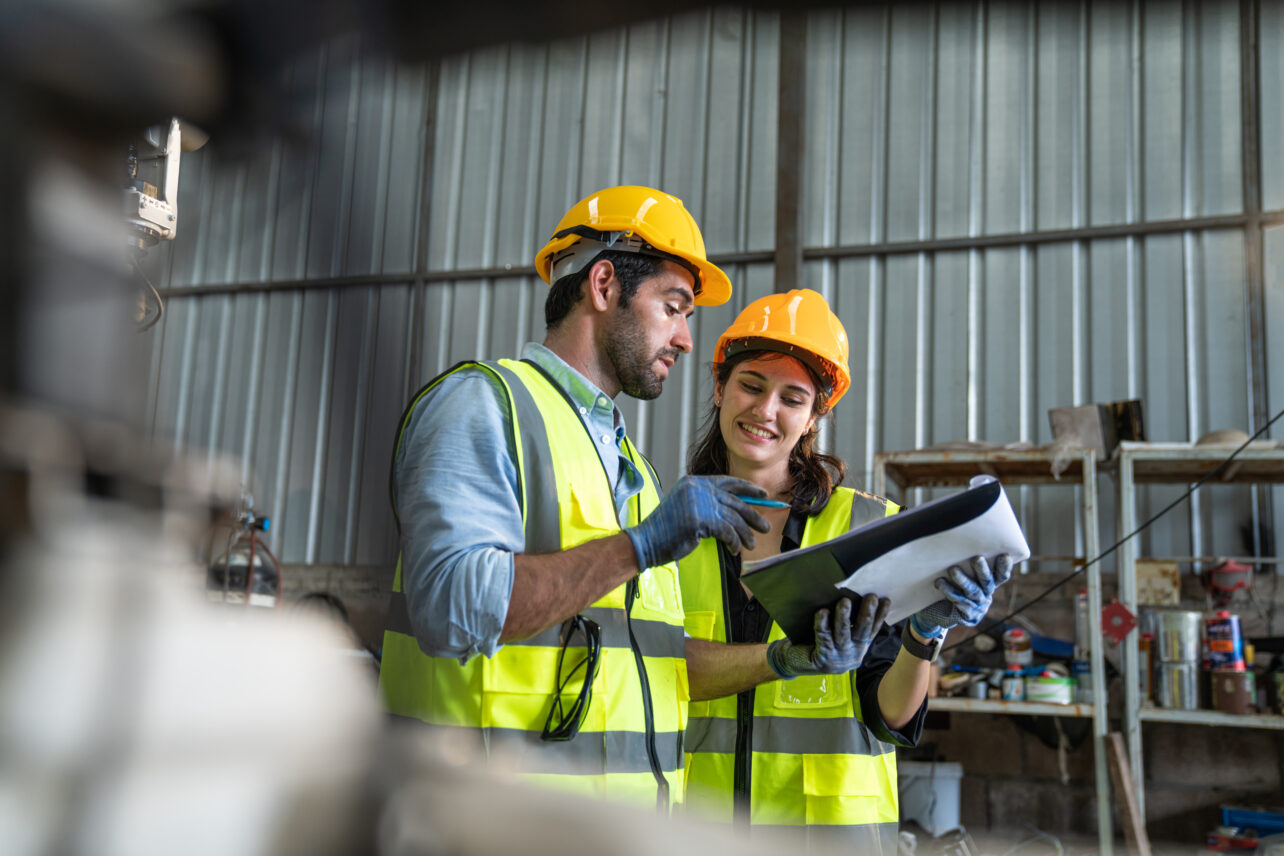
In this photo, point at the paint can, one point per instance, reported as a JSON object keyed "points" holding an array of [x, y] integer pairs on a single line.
{"points": [[1081, 671], [1225, 649], [1045, 688], [1017, 647], [1013, 683], [1177, 685], [1178, 636], [1234, 691], [1082, 628], [979, 688], [1146, 665]]}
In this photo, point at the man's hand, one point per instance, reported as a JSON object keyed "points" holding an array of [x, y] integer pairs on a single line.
{"points": [[967, 600], [837, 650], [698, 507]]}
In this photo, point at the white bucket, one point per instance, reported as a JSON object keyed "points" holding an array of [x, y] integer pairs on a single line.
{"points": [[929, 794]]}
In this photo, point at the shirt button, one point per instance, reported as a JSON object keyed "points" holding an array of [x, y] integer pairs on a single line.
{"points": [[606, 438], [583, 411], [752, 607], [604, 402]]}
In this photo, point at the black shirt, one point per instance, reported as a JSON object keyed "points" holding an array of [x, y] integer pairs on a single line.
{"points": [[747, 622]]}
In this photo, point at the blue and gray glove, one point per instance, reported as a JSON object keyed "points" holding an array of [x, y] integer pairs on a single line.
{"points": [[698, 507], [967, 600], [836, 651]]}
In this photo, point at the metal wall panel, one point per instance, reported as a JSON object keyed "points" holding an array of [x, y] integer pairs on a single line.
{"points": [[930, 122]]}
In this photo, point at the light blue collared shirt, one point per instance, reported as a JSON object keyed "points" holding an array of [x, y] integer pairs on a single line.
{"points": [[457, 496]]}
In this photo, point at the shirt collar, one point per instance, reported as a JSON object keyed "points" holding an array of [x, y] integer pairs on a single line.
{"points": [[579, 388]]}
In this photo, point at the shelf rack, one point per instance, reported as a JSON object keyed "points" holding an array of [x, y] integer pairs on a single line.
{"points": [[1175, 463], [934, 468]]}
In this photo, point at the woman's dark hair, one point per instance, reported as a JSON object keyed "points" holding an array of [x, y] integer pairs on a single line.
{"points": [[631, 269], [814, 474]]}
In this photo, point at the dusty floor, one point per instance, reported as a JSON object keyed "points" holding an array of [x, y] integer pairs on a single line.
{"points": [[1029, 842]]}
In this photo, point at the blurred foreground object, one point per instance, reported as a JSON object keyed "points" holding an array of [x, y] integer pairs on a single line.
{"points": [[246, 572], [134, 717]]}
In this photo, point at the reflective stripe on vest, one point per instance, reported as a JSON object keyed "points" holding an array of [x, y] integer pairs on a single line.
{"points": [[814, 761], [503, 701]]}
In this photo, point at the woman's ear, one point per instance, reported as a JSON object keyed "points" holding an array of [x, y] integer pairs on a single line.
{"points": [[717, 393]]}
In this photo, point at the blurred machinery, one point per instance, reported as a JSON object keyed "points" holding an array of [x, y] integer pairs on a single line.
{"points": [[246, 572], [151, 200], [131, 720]]}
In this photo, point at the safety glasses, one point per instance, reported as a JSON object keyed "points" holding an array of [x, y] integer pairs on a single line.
{"points": [[564, 722]]}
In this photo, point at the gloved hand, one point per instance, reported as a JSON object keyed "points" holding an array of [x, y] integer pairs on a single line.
{"points": [[966, 600], [836, 651], [698, 507]]}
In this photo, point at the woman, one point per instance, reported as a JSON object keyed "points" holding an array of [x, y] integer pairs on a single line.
{"points": [[807, 740]]}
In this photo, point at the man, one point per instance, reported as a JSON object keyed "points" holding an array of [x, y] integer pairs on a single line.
{"points": [[533, 533]]}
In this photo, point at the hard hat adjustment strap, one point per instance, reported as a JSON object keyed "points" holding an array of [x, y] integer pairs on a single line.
{"points": [[591, 243]]}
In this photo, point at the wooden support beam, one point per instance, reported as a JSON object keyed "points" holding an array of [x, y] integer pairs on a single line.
{"points": [[1126, 796]]}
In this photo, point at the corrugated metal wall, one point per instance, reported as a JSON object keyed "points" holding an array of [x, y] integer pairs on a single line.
{"points": [[398, 237]]}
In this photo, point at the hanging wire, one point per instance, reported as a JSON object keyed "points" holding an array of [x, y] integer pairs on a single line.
{"points": [[998, 622], [148, 324]]}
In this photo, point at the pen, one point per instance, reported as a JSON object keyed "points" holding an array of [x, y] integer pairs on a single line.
{"points": [[769, 503]]}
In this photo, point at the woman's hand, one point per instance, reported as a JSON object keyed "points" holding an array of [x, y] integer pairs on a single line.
{"points": [[840, 645], [967, 600]]}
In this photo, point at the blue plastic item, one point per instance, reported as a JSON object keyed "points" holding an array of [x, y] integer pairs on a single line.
{"points": [[1264, 822], [1048, 646]]}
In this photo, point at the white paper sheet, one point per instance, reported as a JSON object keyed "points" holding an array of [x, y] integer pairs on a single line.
{"points": [[905, 574]]}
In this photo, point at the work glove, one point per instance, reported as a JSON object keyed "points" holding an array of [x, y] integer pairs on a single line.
{"points": [[836, 651], [967, 600], [698, 507]]}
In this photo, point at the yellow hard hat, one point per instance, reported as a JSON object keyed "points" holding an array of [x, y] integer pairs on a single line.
{"points": [[632, 219], [799, 323]]}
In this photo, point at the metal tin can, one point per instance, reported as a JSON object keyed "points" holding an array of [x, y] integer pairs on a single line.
{"points": [[1177, 685], [1234, 691], [1082, 630], [1178, 636], [1225, 649], [1017, 647], [1081, 671], [1013, 683], [1145, 665]]}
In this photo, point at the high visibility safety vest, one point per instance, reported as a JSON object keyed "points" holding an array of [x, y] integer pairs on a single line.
{"points": [[805, 756], [629, 747]]}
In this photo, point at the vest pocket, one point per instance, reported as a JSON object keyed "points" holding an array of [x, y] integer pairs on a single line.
{"points": [[813, 692], [699, 623], [519, 682], [845, 790], [659, 591]]}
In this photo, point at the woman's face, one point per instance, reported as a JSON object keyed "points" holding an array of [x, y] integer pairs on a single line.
{"points": [[766, 406]]}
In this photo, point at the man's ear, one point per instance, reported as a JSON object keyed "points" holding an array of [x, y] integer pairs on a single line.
{"points": [[601, 284]]}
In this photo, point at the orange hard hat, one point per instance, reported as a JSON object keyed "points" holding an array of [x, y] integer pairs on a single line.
{"points": [[799, 323], [632, 219]]}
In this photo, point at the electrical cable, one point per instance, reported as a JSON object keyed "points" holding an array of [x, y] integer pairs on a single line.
{"points": [[998, 622], [160, 304]]}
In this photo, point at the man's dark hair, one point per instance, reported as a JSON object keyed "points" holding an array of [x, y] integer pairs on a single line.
{"points": [[631, 269]]}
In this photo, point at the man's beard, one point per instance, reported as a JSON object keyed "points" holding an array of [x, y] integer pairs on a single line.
{"points": [[626, 349]]}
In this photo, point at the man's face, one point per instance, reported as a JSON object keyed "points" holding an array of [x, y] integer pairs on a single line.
{"points": [[643, 340]]}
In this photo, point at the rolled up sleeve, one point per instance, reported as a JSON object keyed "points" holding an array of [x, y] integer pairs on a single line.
{"points": [[456, 485], [880, 657]]}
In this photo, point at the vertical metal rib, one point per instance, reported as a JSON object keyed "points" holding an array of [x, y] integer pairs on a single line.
{"points": [[322, 432], [361, 417], [975, 224]]}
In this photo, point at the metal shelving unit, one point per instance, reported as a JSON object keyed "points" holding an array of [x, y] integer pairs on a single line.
{"points": [[1174, 463], [926, 468]]}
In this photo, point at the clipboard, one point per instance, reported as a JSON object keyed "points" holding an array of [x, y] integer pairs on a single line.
{"points": [[897, 557]]}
